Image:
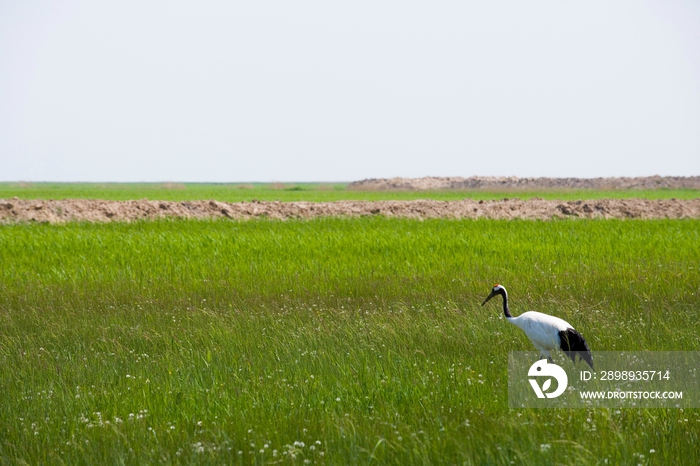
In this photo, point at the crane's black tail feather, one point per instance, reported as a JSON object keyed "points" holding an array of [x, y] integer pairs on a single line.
{"points": [[573, 343]]}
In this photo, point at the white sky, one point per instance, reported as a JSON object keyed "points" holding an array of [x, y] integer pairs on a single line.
{"points": [[259, 90]]}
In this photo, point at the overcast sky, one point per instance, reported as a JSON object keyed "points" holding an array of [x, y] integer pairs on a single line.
{"points": [[344, 90]]}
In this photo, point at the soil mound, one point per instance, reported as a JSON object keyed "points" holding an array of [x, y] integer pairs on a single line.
{"points": [[59, 211], [513, 182]]}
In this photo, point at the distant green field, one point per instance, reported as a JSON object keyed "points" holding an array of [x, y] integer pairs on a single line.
{"points": [[331, 341], [314, 192]]}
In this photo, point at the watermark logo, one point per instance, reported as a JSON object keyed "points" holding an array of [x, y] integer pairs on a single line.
{"points": [[542, 369], [621, 379]]}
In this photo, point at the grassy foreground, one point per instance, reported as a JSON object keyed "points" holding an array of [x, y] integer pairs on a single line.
{"points": [[287, 192], [332, 341]]}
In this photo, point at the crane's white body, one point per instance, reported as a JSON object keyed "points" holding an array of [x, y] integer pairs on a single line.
{"points": [[546, 332], [542, 330]]}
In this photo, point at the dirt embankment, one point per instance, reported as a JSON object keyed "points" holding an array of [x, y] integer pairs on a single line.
{"points": [[515, 183], [19, 210]]}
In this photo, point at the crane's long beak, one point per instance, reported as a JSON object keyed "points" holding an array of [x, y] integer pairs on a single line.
{"points": [[489, 297]]}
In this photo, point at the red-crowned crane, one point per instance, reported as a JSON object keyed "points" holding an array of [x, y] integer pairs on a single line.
{"points": [[546, 332]]}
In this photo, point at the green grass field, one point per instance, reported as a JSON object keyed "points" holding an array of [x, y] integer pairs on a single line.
{"points": [[315, 192], [332, 341]]}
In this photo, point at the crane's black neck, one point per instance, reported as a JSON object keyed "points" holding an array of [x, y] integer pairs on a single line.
{"points": [[503, 293]]}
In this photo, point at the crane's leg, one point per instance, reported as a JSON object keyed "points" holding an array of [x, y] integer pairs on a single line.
{"points": [[546, 355]]}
